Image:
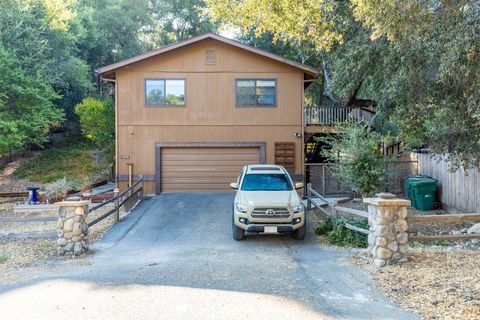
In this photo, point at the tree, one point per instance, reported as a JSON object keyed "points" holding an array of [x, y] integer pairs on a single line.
{"points": [[26, 107], [357, 154], [38, 34], [417, 61]]}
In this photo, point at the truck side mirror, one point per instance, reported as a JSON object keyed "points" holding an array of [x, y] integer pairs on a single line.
{"points": [[234, 185]]}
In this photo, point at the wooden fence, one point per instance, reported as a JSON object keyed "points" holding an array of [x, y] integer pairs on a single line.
{"points": [[474, 217], [459, 190], [335, 208], [312, 195], [323, 179], [126, 197]]}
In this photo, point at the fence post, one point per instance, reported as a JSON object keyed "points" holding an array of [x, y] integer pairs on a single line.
{"points": [[388, 237], [334, 204], [72, 227], [323, 180], [141, 186], [309, 197], [116, 191]]}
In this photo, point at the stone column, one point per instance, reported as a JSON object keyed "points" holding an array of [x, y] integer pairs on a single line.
{"points": [[72, 227], [388, 238]]}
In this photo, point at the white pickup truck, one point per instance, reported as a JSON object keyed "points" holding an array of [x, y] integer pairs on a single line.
{"points": [[267, 202]]}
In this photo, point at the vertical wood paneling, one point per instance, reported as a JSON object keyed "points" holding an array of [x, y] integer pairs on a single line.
{"points": [[458, 190], [210, 114]]}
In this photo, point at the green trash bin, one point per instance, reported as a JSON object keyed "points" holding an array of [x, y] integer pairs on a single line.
{"points": [[407, 182], [422, 193]]}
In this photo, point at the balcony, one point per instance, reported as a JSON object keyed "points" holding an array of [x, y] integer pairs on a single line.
{"points": [[323, 119]]}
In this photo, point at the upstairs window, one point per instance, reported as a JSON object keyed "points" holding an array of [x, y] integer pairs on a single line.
{"points": [[164, 92], [256, 92]]}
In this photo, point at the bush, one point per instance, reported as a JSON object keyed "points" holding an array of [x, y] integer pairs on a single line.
{"points": [[59, 189], [3, 258], [337, 234], [356, 148], [97, 118]]}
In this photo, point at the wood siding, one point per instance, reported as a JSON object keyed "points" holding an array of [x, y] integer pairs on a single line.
{"points": [[459, 190], [204, 168], [210, 113]]}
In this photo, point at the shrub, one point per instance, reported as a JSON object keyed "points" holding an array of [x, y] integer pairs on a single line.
{"points": [[97, 118], [356, 149], [59, 189], [337, 234], [3, 258]]}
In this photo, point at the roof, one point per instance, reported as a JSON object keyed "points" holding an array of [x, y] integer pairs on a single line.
{"points": [[110, 69]]}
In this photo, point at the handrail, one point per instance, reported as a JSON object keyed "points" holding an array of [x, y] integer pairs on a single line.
{"points": [[356, 212], [329, 115], [118, 200], [335, 209]]}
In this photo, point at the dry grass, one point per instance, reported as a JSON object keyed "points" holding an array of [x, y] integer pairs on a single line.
{"points": [[437, 283]]}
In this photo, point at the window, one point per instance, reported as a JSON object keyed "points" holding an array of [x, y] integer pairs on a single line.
{"points": [[266, 182], [165, 92], [256, 92]]}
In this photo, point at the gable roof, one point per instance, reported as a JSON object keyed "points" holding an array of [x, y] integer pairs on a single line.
{"points": [[110, 69]]}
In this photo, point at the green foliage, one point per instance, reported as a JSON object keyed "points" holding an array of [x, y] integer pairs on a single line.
{"points": [[72, 161], [3, 258], [361, 165], [58, 190], [26, 109], [49, 50], [97, 118], [308, 21], [324, 227], [46, 245], [337, 234], [419, 61]]}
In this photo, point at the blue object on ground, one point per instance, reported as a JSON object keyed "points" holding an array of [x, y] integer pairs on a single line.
{"points": [[32, 194]]}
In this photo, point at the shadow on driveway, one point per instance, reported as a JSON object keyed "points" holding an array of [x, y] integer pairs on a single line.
{"points": [[174, 258]]}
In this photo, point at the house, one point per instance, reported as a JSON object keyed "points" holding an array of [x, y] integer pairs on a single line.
{"points": [[191, 114]]}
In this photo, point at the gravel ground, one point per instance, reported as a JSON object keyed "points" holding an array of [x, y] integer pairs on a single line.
{"points": [[430, 228], [437, 282], [19, 255]]}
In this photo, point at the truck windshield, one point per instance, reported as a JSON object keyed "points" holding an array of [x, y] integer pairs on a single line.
{"points": [[266, 182]]}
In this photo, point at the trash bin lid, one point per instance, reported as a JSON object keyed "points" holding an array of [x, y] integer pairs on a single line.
{"points": [[424, 182]]}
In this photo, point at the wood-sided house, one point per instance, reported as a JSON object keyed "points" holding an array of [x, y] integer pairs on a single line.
{"points": [[191, 114]]}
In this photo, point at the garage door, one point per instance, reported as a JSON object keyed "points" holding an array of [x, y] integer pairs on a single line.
{"points": [[204, 169]]}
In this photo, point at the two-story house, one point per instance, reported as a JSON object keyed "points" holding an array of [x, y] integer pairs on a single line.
{"points": [[191, 114]]}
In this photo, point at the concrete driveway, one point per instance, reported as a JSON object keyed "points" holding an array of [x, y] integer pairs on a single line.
{"points": [[174, 258]]}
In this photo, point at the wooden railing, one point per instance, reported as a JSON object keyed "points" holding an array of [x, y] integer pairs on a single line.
{"points": [[335, 209], [333, 115], [119, 199], [445, 218]]}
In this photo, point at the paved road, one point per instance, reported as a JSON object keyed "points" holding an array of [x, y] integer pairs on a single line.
{"points": [[174, 258]]}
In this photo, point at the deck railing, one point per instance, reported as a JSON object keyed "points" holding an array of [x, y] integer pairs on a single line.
{"points": [[332, 115]]}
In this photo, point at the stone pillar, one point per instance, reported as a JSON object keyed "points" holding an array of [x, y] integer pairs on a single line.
{"points": [[72, 227], [388, 238]]}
